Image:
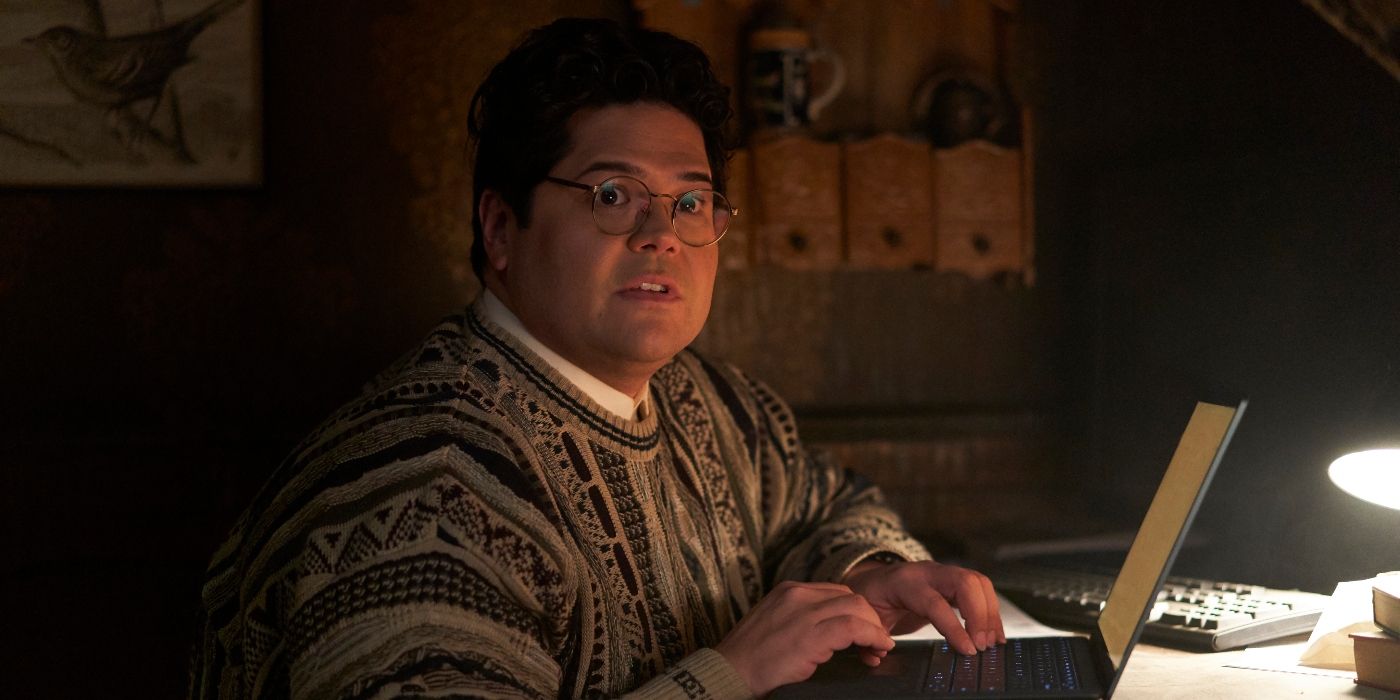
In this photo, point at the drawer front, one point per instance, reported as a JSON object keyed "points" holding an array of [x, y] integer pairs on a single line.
{"points": [[801, 245], [977, 181], [797, 182], [903, 243], [980, 249], [888, 206]]}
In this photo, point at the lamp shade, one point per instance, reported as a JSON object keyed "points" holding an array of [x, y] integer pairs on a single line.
{"points": [[1371, 475], [1369, 467]]}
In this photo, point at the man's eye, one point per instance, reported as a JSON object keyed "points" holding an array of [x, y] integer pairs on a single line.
{"points": [[692, 204], [613, 194]]}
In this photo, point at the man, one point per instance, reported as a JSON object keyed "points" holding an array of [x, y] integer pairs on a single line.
{"points": [[551, 496]]}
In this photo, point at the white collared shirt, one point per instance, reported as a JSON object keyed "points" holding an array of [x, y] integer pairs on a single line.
{"points": [[617, 402]]}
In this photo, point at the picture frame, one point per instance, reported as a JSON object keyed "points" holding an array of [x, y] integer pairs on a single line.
{"points": [[130, 93]]}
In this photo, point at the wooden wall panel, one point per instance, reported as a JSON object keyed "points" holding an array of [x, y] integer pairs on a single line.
{"points": [[736, 249], [715, 25], [872, 340], [961, 488], [891, 46]]}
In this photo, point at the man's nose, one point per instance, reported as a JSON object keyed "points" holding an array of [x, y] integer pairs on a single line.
{"points": [[656, 232]]}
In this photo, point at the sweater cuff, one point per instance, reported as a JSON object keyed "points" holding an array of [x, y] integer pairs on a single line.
{"points": [[840, 562], [704, 675]]}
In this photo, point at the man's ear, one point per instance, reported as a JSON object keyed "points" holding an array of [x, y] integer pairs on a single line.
{"points": [[497, 226]]}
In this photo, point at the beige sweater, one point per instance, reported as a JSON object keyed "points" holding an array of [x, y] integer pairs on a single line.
{"points": [[474, 526]]}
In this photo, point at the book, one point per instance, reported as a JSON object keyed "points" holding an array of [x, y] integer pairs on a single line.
{"points": [[1385, 600], [1377, 660]]}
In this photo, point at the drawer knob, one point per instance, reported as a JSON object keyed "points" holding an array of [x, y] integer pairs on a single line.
{"points": [[797, 241], [981, 243], [892, 237]]}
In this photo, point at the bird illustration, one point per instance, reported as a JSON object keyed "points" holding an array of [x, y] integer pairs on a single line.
{"points": [[113, 72]]}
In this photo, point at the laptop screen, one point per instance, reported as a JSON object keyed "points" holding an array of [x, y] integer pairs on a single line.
{"points": [[1155, 546]]}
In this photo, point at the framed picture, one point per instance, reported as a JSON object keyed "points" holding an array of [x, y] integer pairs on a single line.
{"points": [[158, 93]]}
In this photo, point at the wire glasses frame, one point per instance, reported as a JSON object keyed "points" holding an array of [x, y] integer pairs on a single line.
{"points": [[621, 205]]}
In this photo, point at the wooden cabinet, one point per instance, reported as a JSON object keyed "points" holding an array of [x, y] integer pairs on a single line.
{"points": [[831, 196]]}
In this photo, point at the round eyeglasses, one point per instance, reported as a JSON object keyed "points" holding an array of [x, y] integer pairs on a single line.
{"points": [[621, 205]]}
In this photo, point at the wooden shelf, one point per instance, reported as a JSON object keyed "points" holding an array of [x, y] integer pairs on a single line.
{"points": [[861, 188]]}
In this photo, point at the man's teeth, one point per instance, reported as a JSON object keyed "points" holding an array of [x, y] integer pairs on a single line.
{"points": [[649, 287]]}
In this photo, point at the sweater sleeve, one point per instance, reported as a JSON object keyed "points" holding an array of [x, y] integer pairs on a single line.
{"points": [[704, 675], [820, 519]]}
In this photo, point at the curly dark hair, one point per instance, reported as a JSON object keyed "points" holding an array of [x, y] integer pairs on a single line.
{"points": [[519, 115]]}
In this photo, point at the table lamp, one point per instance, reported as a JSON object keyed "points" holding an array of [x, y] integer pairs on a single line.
{"points": [[1371, 475], [1370, 470]]}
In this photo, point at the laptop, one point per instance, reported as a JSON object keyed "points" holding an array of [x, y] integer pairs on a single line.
{"points": [[1053, 667]]}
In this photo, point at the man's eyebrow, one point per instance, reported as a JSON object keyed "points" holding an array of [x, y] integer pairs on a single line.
{"points": [[696, 176], [619, 166]]}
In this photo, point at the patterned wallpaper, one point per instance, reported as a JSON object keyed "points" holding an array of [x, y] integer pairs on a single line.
{"points": [[427, 63]]}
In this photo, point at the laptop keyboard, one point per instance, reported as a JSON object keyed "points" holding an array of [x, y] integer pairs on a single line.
{"points": [[1043, 663], [1193, 614]]}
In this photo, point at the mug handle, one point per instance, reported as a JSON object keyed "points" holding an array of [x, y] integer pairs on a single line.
{"points": [[838, 81]]}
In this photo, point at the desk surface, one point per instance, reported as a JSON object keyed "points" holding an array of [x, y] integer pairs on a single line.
{"points": [[1159, 673], [1162, 673]]}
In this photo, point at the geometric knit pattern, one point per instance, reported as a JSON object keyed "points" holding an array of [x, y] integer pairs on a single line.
{"points": [[473, 525]]}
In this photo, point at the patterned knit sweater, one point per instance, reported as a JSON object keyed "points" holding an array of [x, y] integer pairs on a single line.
{"points": [[474, 526]]}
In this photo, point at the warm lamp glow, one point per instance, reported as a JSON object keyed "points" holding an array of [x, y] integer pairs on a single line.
{"points": [[1372, 475]]}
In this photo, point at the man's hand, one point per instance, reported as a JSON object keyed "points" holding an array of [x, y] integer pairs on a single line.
{"points": [[908, 595], [797, 627]]}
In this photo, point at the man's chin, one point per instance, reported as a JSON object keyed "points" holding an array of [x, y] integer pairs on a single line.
{"points": [[652, 355], [651, 346]]}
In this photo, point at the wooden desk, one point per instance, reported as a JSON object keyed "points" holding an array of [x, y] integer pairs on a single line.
{"points": [[1162, 673], [1158, 673]]}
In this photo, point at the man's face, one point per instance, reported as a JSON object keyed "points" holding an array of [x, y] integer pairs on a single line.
{"points": [[579, 290]]}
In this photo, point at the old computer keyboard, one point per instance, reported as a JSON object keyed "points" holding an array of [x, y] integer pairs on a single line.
{"points": [[1193, 614]]}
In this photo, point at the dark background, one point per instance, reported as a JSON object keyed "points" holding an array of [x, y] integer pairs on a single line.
{"points": [[1227, 179], [1218, 206]]}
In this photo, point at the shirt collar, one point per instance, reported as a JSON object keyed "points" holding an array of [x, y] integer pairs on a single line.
{"points": [[615, 401]]}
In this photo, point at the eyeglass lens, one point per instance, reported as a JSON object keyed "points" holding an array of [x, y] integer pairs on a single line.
{"points": [[699, 217]]}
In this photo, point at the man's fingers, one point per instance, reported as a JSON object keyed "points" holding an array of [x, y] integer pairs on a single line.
{"points": [[976, 600], [933, 590], [812, 586], [994, 610], [835, 610], [973, 606], [848, 604], [872, 657], [984, 622], [797, 627], [788, 595], [841, 632], [946, 621]]}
